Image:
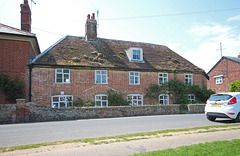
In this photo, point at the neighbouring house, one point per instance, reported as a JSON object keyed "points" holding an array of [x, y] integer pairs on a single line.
{"points": [[87, 67], [225, 71], [17, 49]]}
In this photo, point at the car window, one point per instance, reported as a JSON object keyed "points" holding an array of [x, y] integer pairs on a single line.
{"points": [[220, 97]]}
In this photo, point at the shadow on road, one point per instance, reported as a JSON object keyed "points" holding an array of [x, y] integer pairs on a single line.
{"points": [[226, 121]]}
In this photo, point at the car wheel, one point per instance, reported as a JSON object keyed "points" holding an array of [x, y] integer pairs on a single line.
{"points": [[211, 118], [237, 118]]}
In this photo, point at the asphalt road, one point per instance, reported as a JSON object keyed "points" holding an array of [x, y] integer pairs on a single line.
{"points": [[29, 133]]}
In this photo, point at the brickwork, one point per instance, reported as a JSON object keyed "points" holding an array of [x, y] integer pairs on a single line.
{"points": [[230, 71], [82, 84], [14, 58]]}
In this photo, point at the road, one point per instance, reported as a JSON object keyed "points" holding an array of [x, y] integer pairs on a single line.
{"points": [[29, 133]]}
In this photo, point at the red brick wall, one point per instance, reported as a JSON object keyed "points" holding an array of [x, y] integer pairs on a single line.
{"points": [[82, 84], [14, 58], [231, 72]]}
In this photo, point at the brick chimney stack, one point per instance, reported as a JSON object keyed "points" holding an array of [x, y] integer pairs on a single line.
{"points": [[25, 16], [91, 28]]}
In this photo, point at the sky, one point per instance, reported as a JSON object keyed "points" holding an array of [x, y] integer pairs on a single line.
{"points": [[192, 28]]}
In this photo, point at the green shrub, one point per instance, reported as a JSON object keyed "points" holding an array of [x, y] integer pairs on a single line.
{"points": [[88, 104], [116, 98], [235, 86], [14, 89], [78, 102]]}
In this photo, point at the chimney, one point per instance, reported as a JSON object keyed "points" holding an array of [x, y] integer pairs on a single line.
{"points": [[91, 28], [239, 55], [25, 16]]}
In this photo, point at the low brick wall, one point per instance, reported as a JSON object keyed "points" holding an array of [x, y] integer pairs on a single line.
{"points": [[7, 113], [40, 113], [196, 108]]}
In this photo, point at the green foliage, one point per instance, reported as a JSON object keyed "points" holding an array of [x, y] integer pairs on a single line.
{"points": [[178, 92], [88, 104], [78, 102], [116, 99], [235, 86], [14, 89]]}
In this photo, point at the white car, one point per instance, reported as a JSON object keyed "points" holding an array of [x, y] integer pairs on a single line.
{"points": [[223, 105]]}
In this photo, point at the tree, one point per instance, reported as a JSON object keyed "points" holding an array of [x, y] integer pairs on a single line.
{"points": [[235, 86]]}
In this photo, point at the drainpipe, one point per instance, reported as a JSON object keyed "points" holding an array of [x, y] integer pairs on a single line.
{"points": [[30, 66]]}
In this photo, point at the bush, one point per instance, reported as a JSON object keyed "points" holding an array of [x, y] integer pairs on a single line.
{"points": [[78, 102], [88, 104], [14, 89], [235, 86], [116, 99], [178, 91]]}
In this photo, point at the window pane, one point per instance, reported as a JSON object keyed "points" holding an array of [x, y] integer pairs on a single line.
{"points": [[62, 98], [98, 79], [59, 70], [104, 79], [62, 104], [65, 70], [136, 80], [55, 105], [131, 80], [104, 72], [104, 103], [98, 97], [98, 103], [66, 78], [104, 97], [59, 77], [98, 72], [136, 73], [55, 99]]}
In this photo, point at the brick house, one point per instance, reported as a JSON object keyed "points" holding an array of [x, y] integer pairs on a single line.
{"points": [[87, 67], [17, 49], [225, 71]]}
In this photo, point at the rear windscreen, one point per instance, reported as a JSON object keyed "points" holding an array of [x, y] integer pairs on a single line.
{"points": [[220, 97]]}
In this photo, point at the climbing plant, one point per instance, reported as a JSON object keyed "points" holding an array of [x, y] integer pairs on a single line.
{"points": [[14, 89]]}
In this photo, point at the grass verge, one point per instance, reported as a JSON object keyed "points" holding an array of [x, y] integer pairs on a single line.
{"points": [[216, 148], [127, 137]]}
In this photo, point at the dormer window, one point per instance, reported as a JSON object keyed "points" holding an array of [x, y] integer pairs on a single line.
{"points": [[135, 54]]}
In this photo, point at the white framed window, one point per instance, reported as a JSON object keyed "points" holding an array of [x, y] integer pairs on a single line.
{"points": [[134, 78], [191, 97], [135, 99], [101, 100], [136, 54], [62, 101], [62, 75], [162, 78], [189, 79], [219, 80], [101, 77], [164, 99]]}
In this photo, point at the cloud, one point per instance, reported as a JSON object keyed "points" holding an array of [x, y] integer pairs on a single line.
{"points": [[210, 29], [234, 18], [209, 36]]}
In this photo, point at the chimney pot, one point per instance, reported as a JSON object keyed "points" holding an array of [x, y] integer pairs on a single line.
{"points": [[93, 16], [88, 16]]}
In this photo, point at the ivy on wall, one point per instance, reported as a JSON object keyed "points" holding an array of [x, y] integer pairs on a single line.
{"points": [[178, 91], [13, 89]]}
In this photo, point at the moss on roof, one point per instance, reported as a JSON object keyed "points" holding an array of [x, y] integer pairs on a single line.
{"points": [[77, 51]]}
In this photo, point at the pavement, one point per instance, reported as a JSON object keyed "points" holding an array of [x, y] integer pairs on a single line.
{"points": [[171, 140]]}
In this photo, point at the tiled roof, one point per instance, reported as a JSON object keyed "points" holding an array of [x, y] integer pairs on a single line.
{"points": [[234, 59], [107, 53], [11, 30]]}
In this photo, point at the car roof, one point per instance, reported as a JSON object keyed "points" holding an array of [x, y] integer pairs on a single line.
{"points": [[229, 93]]}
